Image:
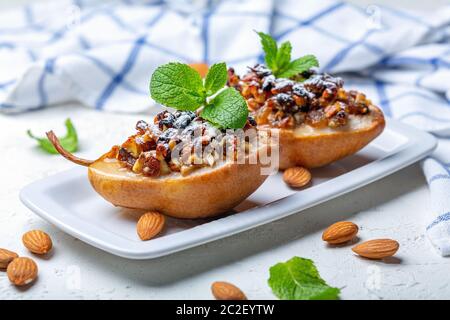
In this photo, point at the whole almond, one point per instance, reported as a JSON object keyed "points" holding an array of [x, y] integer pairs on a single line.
{"points": [[37, 241], [340, 232], [377, 249], [226, 291], [149, 225], [297, 177], [6, 257], [22, 271]]}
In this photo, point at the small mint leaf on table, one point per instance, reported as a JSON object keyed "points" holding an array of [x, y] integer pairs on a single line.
{"points": [[228, 110], [177, 85], [298, 66], [69, 141], [298, 279], [216, 78]]}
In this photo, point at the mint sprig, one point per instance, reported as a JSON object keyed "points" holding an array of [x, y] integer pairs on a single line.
{"points": [[69, 141], [177, 85], [278, 59], [181, 87], [227, 110], [298, 279]]}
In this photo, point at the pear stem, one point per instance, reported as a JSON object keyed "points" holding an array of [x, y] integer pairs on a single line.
{"points": [[66, 154]]}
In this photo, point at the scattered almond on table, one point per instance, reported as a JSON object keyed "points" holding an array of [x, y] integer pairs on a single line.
{"points": [[377, 249], [297, 177], [37, 241], [22, 271], [226, 291], [6, 257], [150, 225], [340, 232]]}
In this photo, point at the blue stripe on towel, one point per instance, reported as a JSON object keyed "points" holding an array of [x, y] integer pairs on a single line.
{"points": [[339, 57], [439, 219], [118, 79], [417, 94], [84, 43], [205, 32], [407, 16], [29, 18], [7, 45], [335, 36], [444, 165], [6, 84], [311, 20], [109, 71], [43, 97], [438, 177], [415, 60]]}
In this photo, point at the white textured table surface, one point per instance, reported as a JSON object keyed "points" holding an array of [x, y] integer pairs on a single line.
{"points": [[393, 207]]}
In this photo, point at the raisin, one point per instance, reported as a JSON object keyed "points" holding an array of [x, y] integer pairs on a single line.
{"points": [[167, 135], [304, 108], [251, 121], [182, 121], [268, 83], [283, 86], [300, 90], [286, 102], [261, 70], [126, 157], [164, 119], [320, 82], [338, 120]]}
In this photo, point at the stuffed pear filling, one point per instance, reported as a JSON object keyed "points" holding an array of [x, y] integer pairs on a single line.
{"points": [[312, 98], [178, 142]]}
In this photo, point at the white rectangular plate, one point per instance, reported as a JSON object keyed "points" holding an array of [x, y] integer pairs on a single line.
{"points": [[68, 201]]}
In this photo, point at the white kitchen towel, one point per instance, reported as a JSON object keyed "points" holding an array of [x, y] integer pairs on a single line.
{"points": [[102, 53]]}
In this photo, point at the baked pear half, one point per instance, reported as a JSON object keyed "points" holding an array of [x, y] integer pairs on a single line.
{"points": [[312, 147], [318, 121], [179, 165]]}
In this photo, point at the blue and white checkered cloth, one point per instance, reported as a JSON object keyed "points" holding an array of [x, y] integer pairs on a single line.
{"points": [[101, 53]]}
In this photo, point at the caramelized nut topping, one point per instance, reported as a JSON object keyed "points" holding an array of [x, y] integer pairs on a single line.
{"points": [[278, 102], [175, 142]]}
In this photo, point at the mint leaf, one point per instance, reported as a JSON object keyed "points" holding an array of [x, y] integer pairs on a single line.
{"points": [[228, 110], [283, 56], [216, 78], [69, 141], [298, 66], [298, 279], [270, 49], [178, 86]]}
